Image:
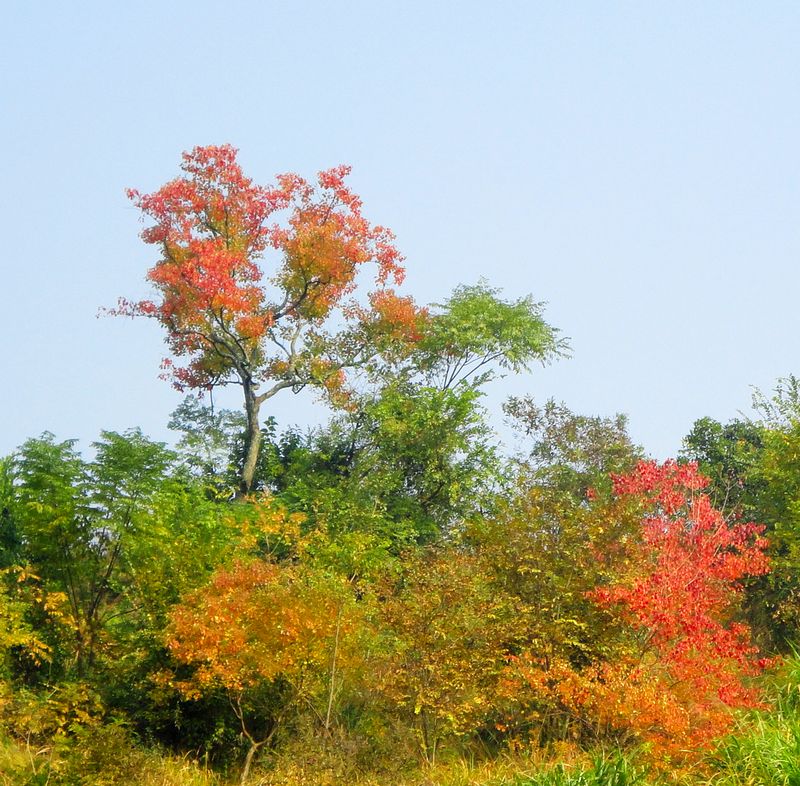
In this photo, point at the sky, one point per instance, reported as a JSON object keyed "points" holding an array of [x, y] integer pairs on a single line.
{"points": [[634, 165]]}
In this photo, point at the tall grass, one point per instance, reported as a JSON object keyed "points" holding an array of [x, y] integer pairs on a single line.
{"points": [[607, 770], [765, 748]]}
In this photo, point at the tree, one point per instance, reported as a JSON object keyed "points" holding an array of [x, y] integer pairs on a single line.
{"points": [[295, 326], [680, 599], [571, 453], [727, 454], [119, 537], [445, 633], [272, 636], [406, 467], [662, 658], [474, 332], [776, 474]]}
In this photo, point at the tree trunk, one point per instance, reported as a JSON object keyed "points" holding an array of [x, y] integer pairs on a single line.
{"points": [[333, 668], [252, 439], [254, 746]]}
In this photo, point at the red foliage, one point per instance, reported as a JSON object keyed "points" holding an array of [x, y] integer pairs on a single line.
{"points": [[213, 226], [680, 597]]}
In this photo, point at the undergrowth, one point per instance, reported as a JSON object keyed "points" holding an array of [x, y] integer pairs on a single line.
{"points": [[763, 750]]}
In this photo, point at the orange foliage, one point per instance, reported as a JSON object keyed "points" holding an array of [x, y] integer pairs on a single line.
{"points": [[256, 622]]}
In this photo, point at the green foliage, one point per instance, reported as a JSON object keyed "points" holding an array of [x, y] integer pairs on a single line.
{"points": [[52, 511], [778, 474], [474, 330], [754, 467], [50, 507], [104, 548], [427, 456], [119, 537], [728, 455], [571, 453], [405, 468]]}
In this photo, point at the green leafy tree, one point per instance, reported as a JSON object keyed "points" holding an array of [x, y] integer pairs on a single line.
{"points": [[568, 452], [120, 536], [778, 474], [53, 515], [474, 335], [728, 455], [415, 460]]}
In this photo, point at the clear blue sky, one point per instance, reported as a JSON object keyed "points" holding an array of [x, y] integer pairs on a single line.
{"points": [[635, 165]]}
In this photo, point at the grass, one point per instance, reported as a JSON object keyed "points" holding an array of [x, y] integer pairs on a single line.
{"points": [[765, 748], [97, 765]]}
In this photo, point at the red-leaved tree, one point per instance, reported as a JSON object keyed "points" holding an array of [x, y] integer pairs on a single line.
{"points": [[680, 660], [692, 660], [255, 285]]}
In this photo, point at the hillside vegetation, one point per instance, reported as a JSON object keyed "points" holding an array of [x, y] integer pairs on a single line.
{"points": [[390, 598]]}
